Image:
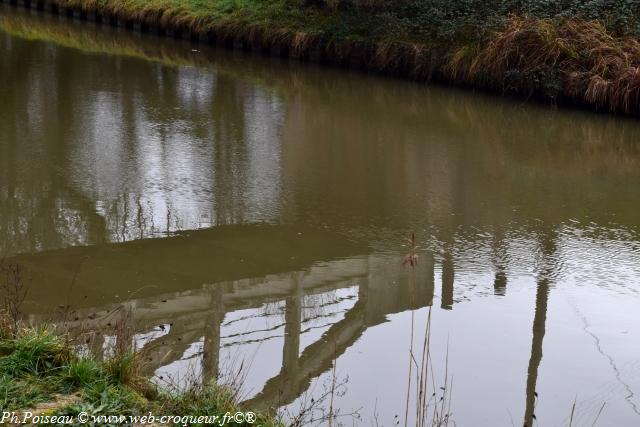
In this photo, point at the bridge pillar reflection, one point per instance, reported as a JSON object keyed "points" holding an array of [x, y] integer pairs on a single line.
{"points": [[293, 320], [211, 350], [499, 259], [539, 320], [430, 279], [447, 282], [548, 265], [500, 283]]}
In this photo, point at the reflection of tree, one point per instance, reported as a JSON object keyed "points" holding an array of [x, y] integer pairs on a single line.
{"points": [[229, 153], [132, 160], [33, 213]]}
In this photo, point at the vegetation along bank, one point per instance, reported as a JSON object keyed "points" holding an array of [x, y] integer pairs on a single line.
{"points": [[583, 52], [45, 380]]}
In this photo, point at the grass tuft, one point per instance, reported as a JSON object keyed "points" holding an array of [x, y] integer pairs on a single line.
{"points": [[37, 365], [34, 351]]}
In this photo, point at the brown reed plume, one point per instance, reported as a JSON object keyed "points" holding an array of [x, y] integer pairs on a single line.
{"points": [[412, 257]]}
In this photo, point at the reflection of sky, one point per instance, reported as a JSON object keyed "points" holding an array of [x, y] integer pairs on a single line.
{"points": [[253, 339], [320, 311]]}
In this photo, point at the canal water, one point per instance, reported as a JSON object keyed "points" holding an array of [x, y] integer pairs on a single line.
{"points": [[250, 215]]}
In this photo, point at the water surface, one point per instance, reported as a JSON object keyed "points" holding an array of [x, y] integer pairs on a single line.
{"points": [[250, 209]]}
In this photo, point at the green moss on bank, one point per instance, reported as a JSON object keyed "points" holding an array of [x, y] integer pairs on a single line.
{"points": [[39, 366]]}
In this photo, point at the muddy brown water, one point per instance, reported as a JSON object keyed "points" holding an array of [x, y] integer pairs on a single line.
{"points": [[250, 209]]}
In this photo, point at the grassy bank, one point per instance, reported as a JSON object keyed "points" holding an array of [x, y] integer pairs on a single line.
{"points": [[41, 373], [567, 51]]}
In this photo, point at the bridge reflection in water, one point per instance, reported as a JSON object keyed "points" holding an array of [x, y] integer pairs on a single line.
{"points": [[332, 298], [346, 294]]}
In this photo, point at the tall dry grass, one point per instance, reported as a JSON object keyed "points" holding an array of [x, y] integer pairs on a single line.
{"points": [[13, 292], [432, 403], [566, 60]]}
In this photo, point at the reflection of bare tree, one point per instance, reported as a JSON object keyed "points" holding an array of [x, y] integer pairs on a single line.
{"points": [[37, 210], [230, 151], [118, 166]]}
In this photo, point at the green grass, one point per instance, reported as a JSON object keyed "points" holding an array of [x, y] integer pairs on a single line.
{"points": [[26, 361], [22, 393], [37, 365]]}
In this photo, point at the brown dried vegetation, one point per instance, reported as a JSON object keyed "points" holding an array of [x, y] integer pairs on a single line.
{"points": [[577, 61]]}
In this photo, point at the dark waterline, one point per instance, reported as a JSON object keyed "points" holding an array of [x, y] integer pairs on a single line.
{"points": [[257, 210]]}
